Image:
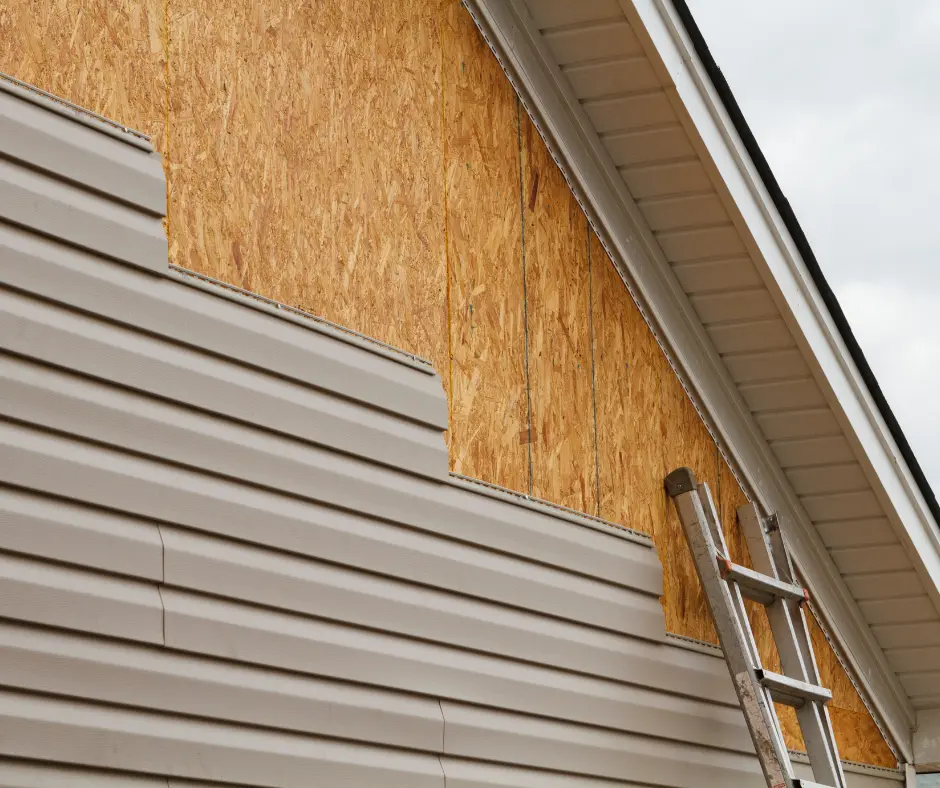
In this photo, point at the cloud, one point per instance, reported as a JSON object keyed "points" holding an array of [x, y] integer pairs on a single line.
{"points": [[896, 324], [842, 98]]}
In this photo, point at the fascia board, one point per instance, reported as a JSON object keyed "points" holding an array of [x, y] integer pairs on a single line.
{"points": [[615, 218]]}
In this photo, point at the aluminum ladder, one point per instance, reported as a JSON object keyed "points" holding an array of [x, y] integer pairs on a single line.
{"points": [[772, 584]]}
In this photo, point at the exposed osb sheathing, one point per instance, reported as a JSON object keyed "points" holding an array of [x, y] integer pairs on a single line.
{"points": [[685, 442], [857, 735], [106, 55], [307, 158], [367, 162], [628, 374], [489, 411], [558, 318]]}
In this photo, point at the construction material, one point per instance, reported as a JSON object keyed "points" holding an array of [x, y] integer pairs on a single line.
{"points": [[558, 310], [489, 416], [628, 374], [757, 689], [314, 176]]}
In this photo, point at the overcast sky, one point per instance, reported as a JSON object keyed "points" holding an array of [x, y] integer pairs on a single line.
{"points": [[844, 99]]}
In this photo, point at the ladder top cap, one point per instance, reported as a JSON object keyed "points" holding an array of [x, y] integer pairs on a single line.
{"points": [[681, 480]]}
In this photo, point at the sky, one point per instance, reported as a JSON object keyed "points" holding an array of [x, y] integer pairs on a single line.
{"points": [[844, 99]]}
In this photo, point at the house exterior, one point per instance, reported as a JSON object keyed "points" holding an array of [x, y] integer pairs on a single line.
{"points": [[336, 412]]}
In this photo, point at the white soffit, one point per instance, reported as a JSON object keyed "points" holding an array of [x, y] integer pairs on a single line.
{"points": [[623, 102]]}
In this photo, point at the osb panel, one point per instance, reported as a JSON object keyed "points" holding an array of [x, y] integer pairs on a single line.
{"points": [[307, 158], [857, 735], [859, 739], [489, 410], [559, 342], [686, 442], [105, 55], [831, 672], [628, 368]]}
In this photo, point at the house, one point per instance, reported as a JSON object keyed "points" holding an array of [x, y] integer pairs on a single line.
{"points": [[336, 413]]}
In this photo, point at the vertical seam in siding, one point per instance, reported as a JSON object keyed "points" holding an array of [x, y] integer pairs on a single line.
{"points": [[162, 581], [597, 462], [443, 726], [440, 755], [525, 292]]}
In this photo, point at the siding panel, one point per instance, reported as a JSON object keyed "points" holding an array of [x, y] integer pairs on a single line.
{"points": [[59, 596], [86, 536], [78, 217], [133, 676], [498, 736], [107, 737], [246, 634]]}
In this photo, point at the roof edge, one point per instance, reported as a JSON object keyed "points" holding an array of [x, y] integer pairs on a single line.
{"points": [[792, 224]]}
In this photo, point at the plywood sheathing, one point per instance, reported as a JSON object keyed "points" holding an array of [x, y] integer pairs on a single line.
{"points": [[105, 55], [489, 407], [558, 318], [307, 158]]}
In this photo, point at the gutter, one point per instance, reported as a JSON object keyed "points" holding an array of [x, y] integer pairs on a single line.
{"points": [[806, 252]]}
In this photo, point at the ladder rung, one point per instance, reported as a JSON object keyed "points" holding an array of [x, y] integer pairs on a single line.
{"points": [[760, 588], [792, 692]]}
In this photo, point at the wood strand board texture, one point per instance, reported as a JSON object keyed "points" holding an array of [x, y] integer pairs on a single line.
{"points": [[628, 368], [307, 157], [686, 442], [489, 409], [105, 55], [555, 246]]}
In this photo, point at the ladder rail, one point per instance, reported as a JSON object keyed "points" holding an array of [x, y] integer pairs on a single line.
{"points": [[740, 649], [772, 583], [713, 523], [791, 636]]}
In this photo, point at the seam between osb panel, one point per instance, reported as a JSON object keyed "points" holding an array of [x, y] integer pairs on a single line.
{"points": [[525, 290], [166, 119], [597, 460], [447, 268]]}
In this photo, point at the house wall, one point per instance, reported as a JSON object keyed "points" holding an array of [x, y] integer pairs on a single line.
{"points": [[370, 163]]}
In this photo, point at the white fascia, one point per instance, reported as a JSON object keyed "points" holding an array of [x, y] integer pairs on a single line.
{"points": [[596, 183]]}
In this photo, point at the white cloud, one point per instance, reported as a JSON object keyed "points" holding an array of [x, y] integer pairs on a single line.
{"points": [[896, 324]]}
